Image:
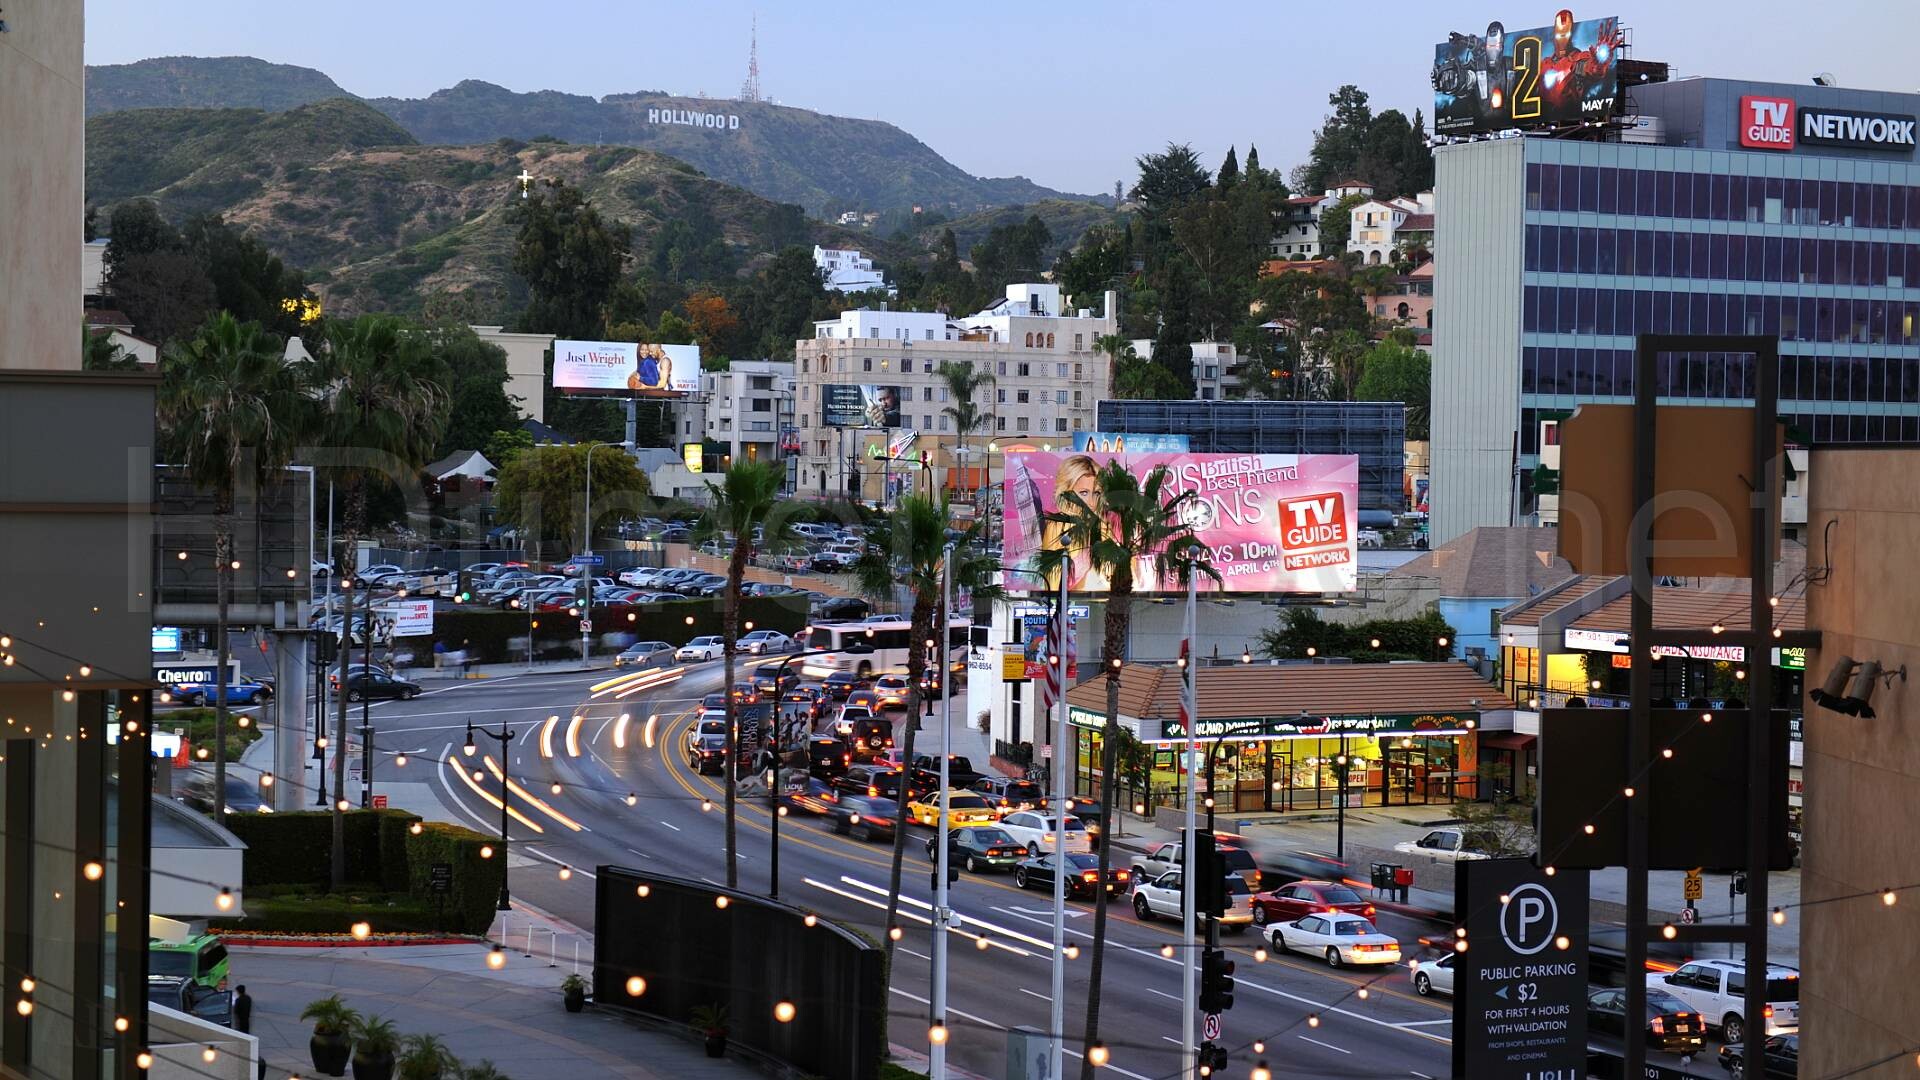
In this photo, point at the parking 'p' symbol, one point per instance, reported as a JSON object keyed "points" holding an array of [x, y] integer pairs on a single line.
{"points": [[1530, 919]]}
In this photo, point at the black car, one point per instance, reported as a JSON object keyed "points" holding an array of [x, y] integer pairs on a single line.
{"points": [[979, 848], [865, 817], [960, 770], [828, 756], [1010, 795], [1782, 1054], [1670, 1024], [187, 996], [840, 684], [803, 701], [869, 735], [1082, 873], [375, 686], [842, 607], [814, 795], [872, 780]]}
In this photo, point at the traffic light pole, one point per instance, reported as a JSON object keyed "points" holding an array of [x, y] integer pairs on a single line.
{"points": [[1188, 1047]]}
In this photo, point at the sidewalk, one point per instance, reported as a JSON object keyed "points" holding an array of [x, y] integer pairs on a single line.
{"points": [[511, 1017]]}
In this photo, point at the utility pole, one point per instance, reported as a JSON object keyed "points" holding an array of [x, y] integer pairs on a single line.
{"points": [[1189, 705], [942, 914], [1058, 1018], [586, 570]]}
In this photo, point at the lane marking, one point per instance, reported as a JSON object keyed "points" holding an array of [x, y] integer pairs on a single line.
{"points": [[1031, 993], [671, 825], [538, 854], [910, 952], [1328, 1045], [1425, 1023], [1163, 993]]}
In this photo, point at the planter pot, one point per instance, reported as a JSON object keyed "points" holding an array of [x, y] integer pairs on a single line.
{"points": [[372, 1067], [330, 1053], [716, 1044], [575, 1000]]}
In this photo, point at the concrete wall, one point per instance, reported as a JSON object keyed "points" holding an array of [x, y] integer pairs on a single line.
{"points": [[179, 1041], [526, 368], [42, 158], [1859, 1001], [1480, 203]]}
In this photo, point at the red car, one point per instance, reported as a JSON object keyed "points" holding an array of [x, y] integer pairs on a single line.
{"points": [[1302, 898]]}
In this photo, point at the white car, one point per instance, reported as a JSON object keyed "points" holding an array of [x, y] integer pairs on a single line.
{"points": [[1441, 844], [1433, 976], [1716, 989], [1034, 831], [1162, 898], [767, 641], [1370, 538], [1338, 937], [707, 647]]}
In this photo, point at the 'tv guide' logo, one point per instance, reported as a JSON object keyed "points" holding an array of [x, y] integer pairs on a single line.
{"points": [[1766, 123]]}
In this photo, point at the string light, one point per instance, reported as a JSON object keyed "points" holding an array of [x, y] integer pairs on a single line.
{"points": [[266, 779], [1779, 916], [362, 930], [1313, 1020], [1889, 898], [1588, 829], [27, 984], [1073, 952], [893, 933], [982, 942], [1667, 753], [1563, 943], [23, 1007], [1363, 993], [1629, 793], [143, 1060], [1097, 1054], [93, 871], [225, 900], [636, 986], [811, 920], [415, 828], [486, 851], [1259, 956], [783, 1012], [1261, 1072], [555, 788], [1669, 931], [1166, 952], [120, 1024], [400, 759], [632, 798], [209, 1055], [721, 902], [496, 957], [1259, 1046], [706, 805], [343, 806], [566, 874], [643, 890], [937, 1034]]}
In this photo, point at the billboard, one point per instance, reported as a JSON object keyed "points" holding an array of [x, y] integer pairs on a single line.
{"points": [[859, 405], [1120, 442], [1562, 73], [1271, 522], [626, 367]]}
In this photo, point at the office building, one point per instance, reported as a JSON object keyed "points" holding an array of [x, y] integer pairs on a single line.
{"points": [[1741, 207], [746, 411]]}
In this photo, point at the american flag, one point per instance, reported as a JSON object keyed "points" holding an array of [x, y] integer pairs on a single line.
{"points": [[1186, 679], [1062, 659]]}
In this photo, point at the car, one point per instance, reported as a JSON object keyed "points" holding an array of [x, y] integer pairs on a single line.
{"points": [[1670, 1025], [746, 693], [379, 570], [812, 794], [1338, 937], [841, 607], [830, 561], [963, 807], [1716, 989], [704, 647], [706, 744], [869, 780], [243, 692], [1452, 844], [865, 817], [644, 654], [979, 848], [1782, 1054], [1164, 857], [828, 756], [840, 685], [694, 584], [960, 770], [243, 796], [678, 534], [375, 686], [187, 996], [760, 642], [1163, 897], [1290, 902], [891, 689], [1035, 830], [1010, 795], [1370, 538], [869, 700], [1083, 874], [666, 579], [1430, 977]]}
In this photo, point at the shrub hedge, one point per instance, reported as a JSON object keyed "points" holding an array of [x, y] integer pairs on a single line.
{"points": [[291, 854], [494, 636]]}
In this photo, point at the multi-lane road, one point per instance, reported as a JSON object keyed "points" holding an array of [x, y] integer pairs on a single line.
{"points": [[626, 797]]}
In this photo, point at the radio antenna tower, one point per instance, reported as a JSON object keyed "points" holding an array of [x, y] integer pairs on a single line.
{"points": [[750, 90]]}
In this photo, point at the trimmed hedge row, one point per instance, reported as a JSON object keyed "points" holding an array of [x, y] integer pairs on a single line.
{"points": [[384, 857], [493, 636]]}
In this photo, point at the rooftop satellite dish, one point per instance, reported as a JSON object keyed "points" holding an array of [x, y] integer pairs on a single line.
{"points": [[1825, 78]]}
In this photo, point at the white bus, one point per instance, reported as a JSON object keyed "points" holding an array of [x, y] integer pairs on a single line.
{"points": [[873, 646]]}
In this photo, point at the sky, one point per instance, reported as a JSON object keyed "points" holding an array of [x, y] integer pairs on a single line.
{"points": [[1067, 94]]}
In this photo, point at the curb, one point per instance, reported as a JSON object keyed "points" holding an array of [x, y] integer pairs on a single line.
{"points": [[339, 941]]}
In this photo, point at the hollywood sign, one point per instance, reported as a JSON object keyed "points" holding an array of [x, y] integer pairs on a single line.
{"points": [[689, 118]]}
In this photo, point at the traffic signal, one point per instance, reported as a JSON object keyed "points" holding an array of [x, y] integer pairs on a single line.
{"points": [[1216, 981], [1209, 884], [1212, 1059], [1738, 886]]}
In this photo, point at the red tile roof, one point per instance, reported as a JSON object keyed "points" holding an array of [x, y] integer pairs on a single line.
{"points": [[1152, 691]]}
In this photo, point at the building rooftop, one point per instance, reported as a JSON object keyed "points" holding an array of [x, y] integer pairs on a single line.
{"points": [[1152, 691], [1530, 611], [1417, 223], [1682, 608], [1493, 562]]}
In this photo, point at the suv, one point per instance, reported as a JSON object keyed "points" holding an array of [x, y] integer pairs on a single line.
{"points": [[1716, 989], [880, 781], [1011, 795]]}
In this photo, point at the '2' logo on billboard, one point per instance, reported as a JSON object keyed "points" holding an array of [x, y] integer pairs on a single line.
{"points": [[1313, 531]]}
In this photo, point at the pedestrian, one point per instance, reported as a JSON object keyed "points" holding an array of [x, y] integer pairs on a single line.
{"points": [[242, 1011], [439, 655], [466, 658]]}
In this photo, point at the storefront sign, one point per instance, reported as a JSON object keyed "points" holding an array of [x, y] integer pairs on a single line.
{"points": [[1520, 988], [166, 639], [1312, 727], [1612, 641], [1791, 658], [1013, 664], [1087, 718]]}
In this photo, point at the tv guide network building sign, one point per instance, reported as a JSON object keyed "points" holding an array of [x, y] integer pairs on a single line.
{"points": [[1520, 986], [625, 367], [1270, 522]]}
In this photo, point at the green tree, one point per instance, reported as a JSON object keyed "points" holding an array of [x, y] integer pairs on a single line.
{"points": [[964, 383], [478, 404], [506, 444], [1169, 180], [249, 281], [781, 301], [1015, 251], [541, 490], [1118, 351], [570, 257], [1300, 629], [165, 294], [231, 411], [1336, 225], [913, 555], [1229, 173], [1137, 527], [1323, 326], [1337, 145], [1143, 380], [1398, 372], [1096, 264], [745, 500], [379, 392], [1173, 343]]}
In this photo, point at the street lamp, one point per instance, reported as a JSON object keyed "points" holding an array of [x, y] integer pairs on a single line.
{"points": [[505, 737]]}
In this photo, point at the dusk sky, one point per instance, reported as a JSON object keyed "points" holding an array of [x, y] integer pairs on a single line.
{"points": [[1066, 94]]}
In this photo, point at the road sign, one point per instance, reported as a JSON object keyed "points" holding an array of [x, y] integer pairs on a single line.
{"points": [[1520, 992], [586, 626], [440, 877], [1210, 1027], [1693, 888], [379, 802], [1689, 915], [588, 560]]}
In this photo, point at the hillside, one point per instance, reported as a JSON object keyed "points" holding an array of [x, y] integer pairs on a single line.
{"points": [[823, 163], [383, 222], [1067, 219], [205, 82]]}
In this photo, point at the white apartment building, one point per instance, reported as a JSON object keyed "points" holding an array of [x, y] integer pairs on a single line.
{"points": [[1377, 225], [1215, 367], [846, 270], [744, 408], [1048, 379], [1297, 228]]}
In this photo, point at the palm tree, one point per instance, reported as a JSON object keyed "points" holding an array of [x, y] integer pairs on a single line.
{"points": [[1136, 528], [99, 352], [1117, 349], [231, 412], [743, 503], [380, 394], [912, 544], [964, 382]]}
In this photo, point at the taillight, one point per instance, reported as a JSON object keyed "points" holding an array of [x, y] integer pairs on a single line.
{"points": [[1657, 1027], [1369, 911], [1121, 874], [873, 792], [1767, 1012], [1090, 876]]}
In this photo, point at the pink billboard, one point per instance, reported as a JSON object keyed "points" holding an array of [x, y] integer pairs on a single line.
{"points": [[1271, 522]]}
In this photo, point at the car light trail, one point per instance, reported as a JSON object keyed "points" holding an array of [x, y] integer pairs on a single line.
{"points": [[620, 732], [468, 779], [546, 736], [531, 800]]}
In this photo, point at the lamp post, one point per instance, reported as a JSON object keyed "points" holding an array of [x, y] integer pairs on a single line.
{"points": [[942, 914], [505, 737], [366, 704]]}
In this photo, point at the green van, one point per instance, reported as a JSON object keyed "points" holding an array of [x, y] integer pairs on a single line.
{"points": [[200, 959]]}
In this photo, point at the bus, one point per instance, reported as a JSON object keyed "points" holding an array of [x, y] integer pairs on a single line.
{"points": [[874, 646]]}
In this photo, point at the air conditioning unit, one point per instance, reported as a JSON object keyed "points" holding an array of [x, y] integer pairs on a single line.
{"points": [[1643, 129]]}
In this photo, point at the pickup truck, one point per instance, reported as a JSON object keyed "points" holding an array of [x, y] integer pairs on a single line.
{"points": [[960, 770], [1442, 844], [1165, 858]]}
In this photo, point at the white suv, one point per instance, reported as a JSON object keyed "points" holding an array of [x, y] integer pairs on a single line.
{"points": [[1716, 989]]}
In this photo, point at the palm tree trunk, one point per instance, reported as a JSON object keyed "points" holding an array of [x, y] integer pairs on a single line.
{"points": [[730, 632], [222, 558], [349, 545], [916, 667], [1119, 614]]}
